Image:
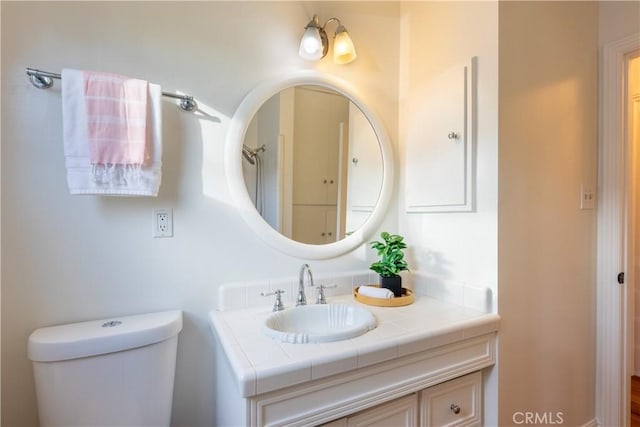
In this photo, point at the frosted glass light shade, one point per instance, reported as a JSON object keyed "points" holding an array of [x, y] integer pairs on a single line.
{"points": [[343, 49], [311, 47]]}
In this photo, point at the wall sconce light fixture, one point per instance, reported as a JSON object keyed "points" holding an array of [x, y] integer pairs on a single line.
{"points": [[315, 44]]}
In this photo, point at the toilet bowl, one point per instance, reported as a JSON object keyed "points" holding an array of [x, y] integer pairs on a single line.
{"points": [[113, 372]]}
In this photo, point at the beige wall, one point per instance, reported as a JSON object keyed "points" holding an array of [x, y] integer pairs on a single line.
{"points": [[532, 239], [546, 268], [453, 248], [618, 19], [67, 259], [437, 37]]}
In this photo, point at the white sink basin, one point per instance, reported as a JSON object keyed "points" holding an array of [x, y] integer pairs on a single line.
{"points": [[319, 323]]}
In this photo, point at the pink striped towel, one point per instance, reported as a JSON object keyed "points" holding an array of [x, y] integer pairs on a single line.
{"points": [[112, 129], [116, 118]]}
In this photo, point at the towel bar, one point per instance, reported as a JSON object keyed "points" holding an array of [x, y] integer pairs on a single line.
{"points": [[44, 80]]}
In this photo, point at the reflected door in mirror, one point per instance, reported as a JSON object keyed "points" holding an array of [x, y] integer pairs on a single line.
{"points": [[319, 156], [317, 170]]}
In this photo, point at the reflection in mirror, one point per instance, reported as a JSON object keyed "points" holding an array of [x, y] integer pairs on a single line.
{"points": [[312, 164]]}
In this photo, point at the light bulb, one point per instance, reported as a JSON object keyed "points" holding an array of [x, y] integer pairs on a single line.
{"points": [[311, 44], [343, 49]]}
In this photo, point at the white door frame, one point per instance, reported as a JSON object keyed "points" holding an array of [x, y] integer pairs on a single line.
{"points": [[613, 299]]}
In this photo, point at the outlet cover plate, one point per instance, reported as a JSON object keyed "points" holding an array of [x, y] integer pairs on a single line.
{"points": [[162, 221]]}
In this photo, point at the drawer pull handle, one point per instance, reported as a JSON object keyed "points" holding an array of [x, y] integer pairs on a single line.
{"points": [[455, 408]]}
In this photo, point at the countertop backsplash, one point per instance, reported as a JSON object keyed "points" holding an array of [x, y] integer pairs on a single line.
{"points": [[247, 294]]}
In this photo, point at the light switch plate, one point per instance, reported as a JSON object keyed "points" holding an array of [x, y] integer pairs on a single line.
{"points": [[587, 197]]}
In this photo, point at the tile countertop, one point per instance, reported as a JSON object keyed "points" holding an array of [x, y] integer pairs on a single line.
{"points": [[261, 364]]}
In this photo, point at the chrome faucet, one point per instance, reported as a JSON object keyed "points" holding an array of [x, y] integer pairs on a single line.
{"points": [[278, 305], [321, 299], [302, 298]]}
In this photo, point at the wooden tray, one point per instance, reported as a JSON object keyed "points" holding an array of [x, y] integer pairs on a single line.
{"points": [[406, 298]]}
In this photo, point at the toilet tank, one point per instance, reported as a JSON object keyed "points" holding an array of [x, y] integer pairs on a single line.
{"points": [[111, 372]]}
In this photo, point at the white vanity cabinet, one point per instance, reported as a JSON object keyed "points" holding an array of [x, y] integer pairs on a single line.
{"points": [[421, 366], [398, 413], [454, 403], [424, 374]]}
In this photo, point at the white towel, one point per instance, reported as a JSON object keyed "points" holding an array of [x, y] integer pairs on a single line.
{"points": [[373, 292], [83, 177]]}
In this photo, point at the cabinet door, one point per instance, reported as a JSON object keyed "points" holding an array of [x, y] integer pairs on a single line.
{"points": [[439, 171], [316, 147], [309, 224], [331, 224], [315, 225], [402, 412], [454, 403]]}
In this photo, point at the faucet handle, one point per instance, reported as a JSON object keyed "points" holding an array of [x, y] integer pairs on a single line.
{"points": [[320, 299], [277, 305]]}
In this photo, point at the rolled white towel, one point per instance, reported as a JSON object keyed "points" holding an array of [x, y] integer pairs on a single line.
{"points": [[373, 292]]}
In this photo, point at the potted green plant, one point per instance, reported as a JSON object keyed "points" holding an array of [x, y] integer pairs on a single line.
{"points": [[391, 261]]}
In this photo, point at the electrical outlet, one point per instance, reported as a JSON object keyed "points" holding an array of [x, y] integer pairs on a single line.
{"points": [[162, 222]]}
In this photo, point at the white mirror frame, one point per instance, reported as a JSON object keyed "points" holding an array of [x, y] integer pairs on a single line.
{"points": [[233, 167]]}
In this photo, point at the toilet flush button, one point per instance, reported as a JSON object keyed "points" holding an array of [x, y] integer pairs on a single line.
{"points": [[111, 324]]}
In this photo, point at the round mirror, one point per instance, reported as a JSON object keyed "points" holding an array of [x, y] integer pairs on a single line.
{"points": [[309, 165]]}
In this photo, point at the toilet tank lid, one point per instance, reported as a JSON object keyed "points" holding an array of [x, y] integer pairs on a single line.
{"points": [[92, 338]]}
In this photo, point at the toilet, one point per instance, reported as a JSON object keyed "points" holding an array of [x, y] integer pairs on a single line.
{"points": [[112, 372]]}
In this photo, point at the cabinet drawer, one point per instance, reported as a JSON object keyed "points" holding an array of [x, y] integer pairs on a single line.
{"points": [[402, 412], [454, 403]]}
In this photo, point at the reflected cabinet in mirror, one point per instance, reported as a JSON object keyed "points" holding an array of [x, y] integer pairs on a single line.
{"points": [[309, 165], [312, 164]]}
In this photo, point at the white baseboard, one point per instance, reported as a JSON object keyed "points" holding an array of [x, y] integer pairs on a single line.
{"points": [[592, 423]]}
